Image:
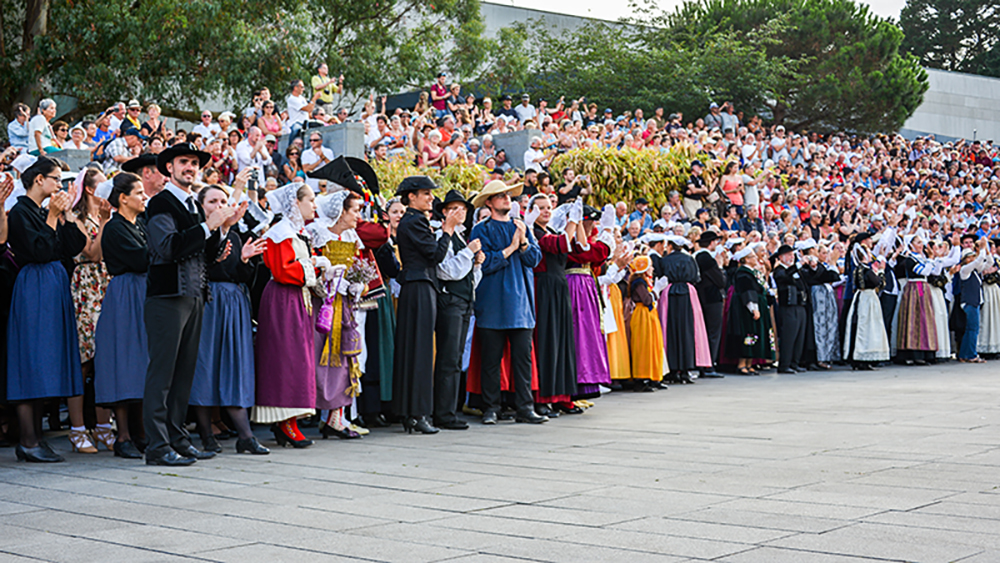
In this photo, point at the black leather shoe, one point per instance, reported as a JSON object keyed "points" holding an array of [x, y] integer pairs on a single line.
{"points": [[545, 410], [490, 417], [373, 421], [210, 444], [192, 452], [453, 425], [251, 446], [570, 410], [127, 450], [37, 454], [421, 425], [711, 375], [531, 417], [800, 369], [787, 370], [170, 459]]}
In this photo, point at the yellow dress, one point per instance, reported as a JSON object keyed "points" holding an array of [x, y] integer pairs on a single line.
{"points": [[618, 354], [647, 339]]}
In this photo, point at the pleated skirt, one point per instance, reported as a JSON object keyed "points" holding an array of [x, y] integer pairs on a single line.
{"points": [[224, 375], [555, 347], [865, 339], [647, 344], [619, 361], [989, 321], [285, 356], [941, 323], [825, 315], [591, 349], [413, 361], [332, 380], [914, 326], [121, 353], [43, 352]]}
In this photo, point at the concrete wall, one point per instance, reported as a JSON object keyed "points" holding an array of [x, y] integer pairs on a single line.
{"points": [[515, 144], [958, 106], [347, 139]]}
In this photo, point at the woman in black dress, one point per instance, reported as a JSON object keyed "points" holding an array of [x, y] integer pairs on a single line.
{"points": [[419, 253], [121, 356], [43, 356]]}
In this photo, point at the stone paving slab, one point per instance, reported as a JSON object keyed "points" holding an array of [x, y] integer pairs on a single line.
{"points": [[837, 467]]}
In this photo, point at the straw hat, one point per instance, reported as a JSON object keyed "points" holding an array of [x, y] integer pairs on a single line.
{"points": [[495, 187]]}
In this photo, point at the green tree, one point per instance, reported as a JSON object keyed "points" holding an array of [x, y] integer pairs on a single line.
{"points": [[951, 34], [628, 66], [850, 73], [181, 53]]}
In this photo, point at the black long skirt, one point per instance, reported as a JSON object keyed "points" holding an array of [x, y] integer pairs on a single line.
{"points": [[413, 368], [680, 333], [555, 347]]}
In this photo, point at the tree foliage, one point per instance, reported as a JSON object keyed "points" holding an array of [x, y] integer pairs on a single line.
{"points": [[627, 66], [181, 53], [957, 35], [850, 72]]}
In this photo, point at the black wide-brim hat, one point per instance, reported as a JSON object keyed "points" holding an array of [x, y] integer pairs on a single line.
{"points": [[591, 213], [707, 237], [415, 183], [180, 149], [782, 250], [138, 163], [451, 197], [862, 236]]}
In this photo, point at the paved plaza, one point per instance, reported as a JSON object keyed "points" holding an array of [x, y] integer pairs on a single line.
{"points": [[896, 465]]}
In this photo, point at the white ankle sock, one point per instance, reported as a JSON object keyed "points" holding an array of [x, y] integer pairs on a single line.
{"points": [[78, 428]]}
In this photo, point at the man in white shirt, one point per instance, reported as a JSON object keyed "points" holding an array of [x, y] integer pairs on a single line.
{"points": [[117, 116], [525, 110], [298, 107], [206, 128], [252, 151], [534, 157], [316, 156]]}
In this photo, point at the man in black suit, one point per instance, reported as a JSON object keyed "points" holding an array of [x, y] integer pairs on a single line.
{"points": [[181, 243], [710, 293], [792, 295]]}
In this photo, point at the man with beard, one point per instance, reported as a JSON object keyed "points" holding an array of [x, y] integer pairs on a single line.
{"points": [[181, 243]]}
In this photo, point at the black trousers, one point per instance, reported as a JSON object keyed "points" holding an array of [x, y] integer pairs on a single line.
{"points": [[792, 335], [713, 325], [453, 314], [174, 328], [492, 344]]}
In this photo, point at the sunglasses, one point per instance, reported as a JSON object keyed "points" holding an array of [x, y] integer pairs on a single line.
{"points": [[315, 140], [293, 154]]}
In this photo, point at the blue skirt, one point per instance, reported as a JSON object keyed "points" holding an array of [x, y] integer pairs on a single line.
{"points": [[43, 354], [224, 376], [121, 355]]}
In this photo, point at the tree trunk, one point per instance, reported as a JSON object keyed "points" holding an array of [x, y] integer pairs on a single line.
{"points": [[36, 23], [780, 111]]}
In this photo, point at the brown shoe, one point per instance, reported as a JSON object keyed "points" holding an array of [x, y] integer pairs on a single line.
{"points": [[80, 440]]}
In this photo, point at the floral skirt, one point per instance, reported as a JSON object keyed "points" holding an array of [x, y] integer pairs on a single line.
{"points": [[89, 283]]}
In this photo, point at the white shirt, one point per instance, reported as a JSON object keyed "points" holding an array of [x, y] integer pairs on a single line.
{"points": [[114, 124], [525, 113], [40, 124], [531, 160], [243, 159], [295, 105], [310, 157], [186, 199], [207, 132]]}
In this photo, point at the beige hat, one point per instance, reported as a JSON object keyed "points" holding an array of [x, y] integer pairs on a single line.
{"points": [[495, 187]]}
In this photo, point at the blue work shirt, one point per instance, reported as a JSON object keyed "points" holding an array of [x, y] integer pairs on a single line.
{"points": [[505, 297]]}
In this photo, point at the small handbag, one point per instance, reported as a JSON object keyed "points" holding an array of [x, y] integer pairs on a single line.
{"points": [[324, 319]]}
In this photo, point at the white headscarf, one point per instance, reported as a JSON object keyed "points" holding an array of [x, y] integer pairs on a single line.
{"points": [[329, 209], [284, 200]]}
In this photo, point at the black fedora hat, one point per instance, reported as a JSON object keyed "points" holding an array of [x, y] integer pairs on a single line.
{"points": [[180, 149], [136, 165], [782, 250], [415, 183], [591, 213], [451, 197], [708, 237]]}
